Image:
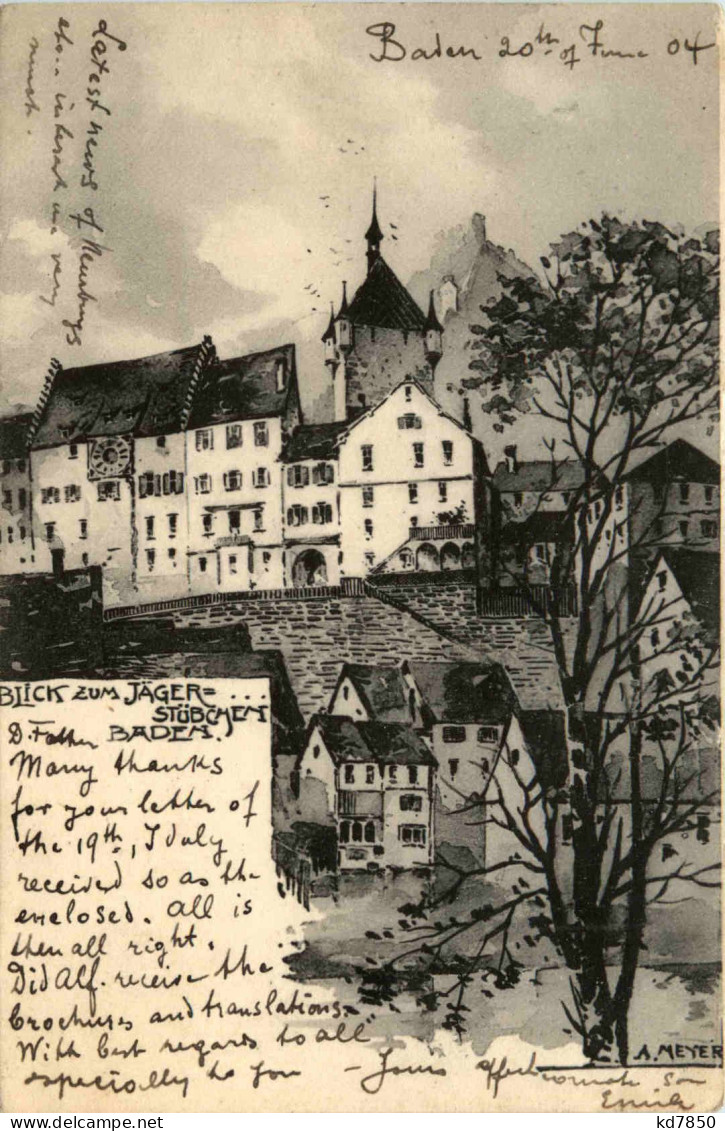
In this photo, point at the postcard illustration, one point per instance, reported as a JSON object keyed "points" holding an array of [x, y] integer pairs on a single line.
{"points": [[359, 557]]}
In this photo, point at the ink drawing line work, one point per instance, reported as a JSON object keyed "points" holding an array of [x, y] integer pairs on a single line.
{"points": [[422, 430]]}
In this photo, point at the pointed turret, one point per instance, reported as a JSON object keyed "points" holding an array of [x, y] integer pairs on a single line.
{"points": [[374, 233], [343, 326], [329, 339], [433, 335]]}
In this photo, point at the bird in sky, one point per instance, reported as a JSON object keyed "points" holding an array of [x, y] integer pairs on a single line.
{"points": [[394, 226], [324, 198]]}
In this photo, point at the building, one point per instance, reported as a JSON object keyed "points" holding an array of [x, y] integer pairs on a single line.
{"points": [[379, 337], [108, 468], [237, 428], [17, 546], [672, 499], [374, 782]]}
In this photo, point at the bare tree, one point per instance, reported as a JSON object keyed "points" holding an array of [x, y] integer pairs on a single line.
{"points": [[611, 352]]}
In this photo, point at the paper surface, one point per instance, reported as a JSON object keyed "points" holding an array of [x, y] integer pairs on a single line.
{"points": [[359, 558]]}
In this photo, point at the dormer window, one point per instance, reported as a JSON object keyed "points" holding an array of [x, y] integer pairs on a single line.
{"points": [[409, 420]]}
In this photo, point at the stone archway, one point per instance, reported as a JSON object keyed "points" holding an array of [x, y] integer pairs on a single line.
{"points": [[309, 568], [426, 558], [468, 556], [450, 556]]}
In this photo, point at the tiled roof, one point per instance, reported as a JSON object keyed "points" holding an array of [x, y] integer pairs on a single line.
{"points": [[313, 441], [544, 526], [382, 300], [387, 743], [697, 573], [465, 692], [679, 460], [539, 475], [382, 690], [14, 434], [146, 396], [245, 388]]}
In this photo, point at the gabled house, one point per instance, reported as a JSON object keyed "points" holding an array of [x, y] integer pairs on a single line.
{"points": [[374, 783]]}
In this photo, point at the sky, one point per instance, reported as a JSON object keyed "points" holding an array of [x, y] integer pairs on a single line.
{"points": [[235, 167]]}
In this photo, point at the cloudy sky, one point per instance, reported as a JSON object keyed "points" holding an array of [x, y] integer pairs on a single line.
{"points": [[234, 171]]}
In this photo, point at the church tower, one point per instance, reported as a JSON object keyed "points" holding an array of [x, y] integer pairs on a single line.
{"points": [[380, 337]]}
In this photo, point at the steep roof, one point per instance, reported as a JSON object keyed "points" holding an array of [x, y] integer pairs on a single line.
{"points": [[245, 388], [146, 396], [313, 441], [382, 300], [679, 460], [382, 690], [14, 435], [465, 692], [538, 475], [386, 743], [697, 573]]}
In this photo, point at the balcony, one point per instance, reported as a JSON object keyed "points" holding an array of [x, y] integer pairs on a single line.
{"points": [[441, 533], [233, 540]]}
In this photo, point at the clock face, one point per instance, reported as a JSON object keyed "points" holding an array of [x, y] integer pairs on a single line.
{"points": [[109, 457]]}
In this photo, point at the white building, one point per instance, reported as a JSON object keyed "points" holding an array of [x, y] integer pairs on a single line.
{"points": [[375, 783], [17, 549]]}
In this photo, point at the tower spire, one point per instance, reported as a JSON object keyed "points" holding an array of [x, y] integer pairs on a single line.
{"points": [[374, 233]]}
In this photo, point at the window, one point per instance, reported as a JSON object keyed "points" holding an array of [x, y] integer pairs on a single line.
{"points": [[204, 440], [109, 491], [487, 734], [453, 764], [260, 477], [72, 493], [323, 473], [703, 828], [654, 637], [414, 520], [258, 516], [709, 492], [202, 484], [418, 459], [151, 560], [172, 554], [454, 734], [368, 496], [413, 770], [344, 832], [22, 498], [406, 558], [518, 498], [161, 442], [232, 563], [370, 775], [447, 446], [412, 834], [412, 492], [410, 420], [322, 513], [662, 579], [366, 454], [349, 774], [684, 492], [232, 480], [709, 528], [266, 554], [145, 484], [368, 528], [393, 773], [369, 560], [369, 832], [408, 393], [235, 521], [202, 565], [668, 851], [261, 434], [514, 757], [442, 492], [173, 482], [73, 451], [619, 497], [83, 525], [298, 476], [683, 528], [234, 436], [84, 559], [173, 525], [207, 524], [47, 495], [357, 831], [297, 515], [150, 526], [49, 531], [411, 802]]}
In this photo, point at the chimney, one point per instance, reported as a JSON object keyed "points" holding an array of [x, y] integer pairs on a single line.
{"points": [[467, 422], [511, 461], [479, 227]]}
